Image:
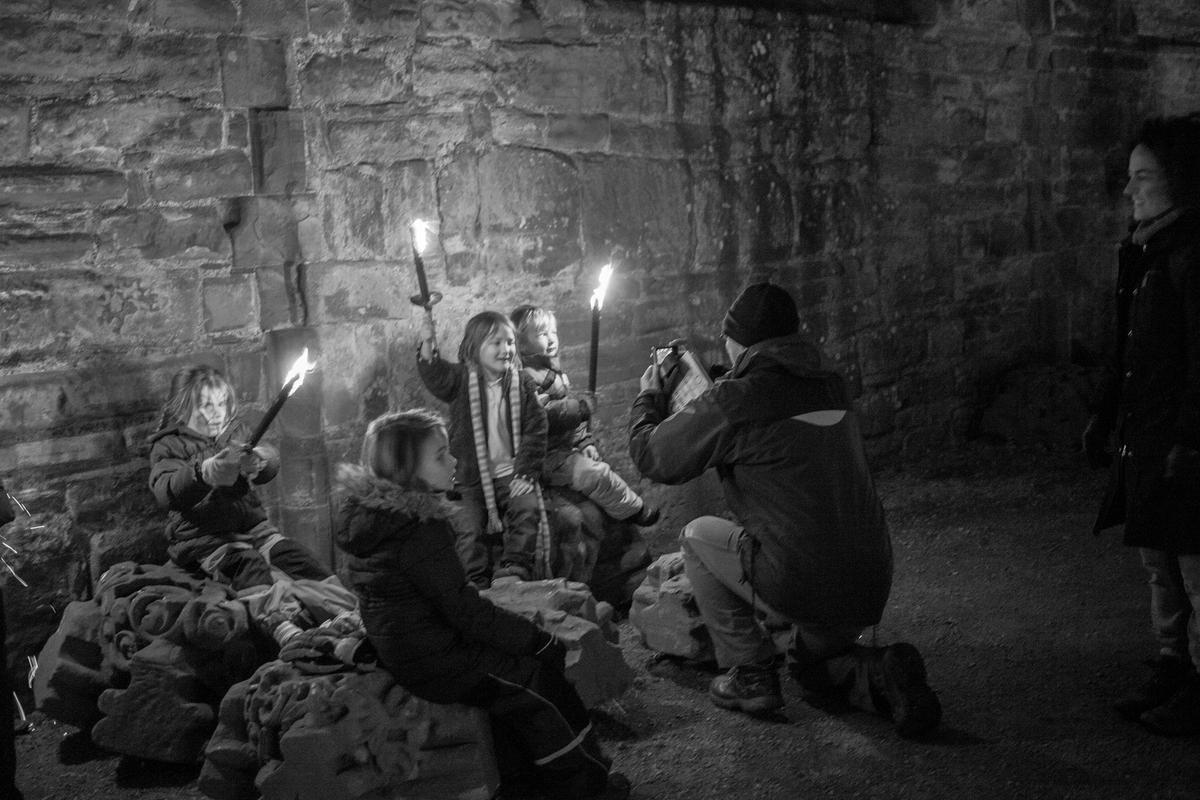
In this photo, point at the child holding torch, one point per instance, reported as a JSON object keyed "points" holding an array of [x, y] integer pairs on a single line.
{"points": [[498, 434], [202, 472]]}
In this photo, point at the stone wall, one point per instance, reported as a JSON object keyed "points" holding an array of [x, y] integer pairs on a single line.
{"points": [[227, 181]]}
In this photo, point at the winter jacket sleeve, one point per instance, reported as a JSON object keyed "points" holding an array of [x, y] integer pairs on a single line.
{"points": [[682, 446], [442, 580], [443, 379], [531, 454], [175, 476], [1186, 265]]}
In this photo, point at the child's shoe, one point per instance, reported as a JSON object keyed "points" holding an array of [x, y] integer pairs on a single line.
{"points": [[647, 516]]}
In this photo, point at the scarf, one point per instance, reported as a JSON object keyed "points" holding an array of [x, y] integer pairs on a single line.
{"points": [[1146, 229], [494, 523]]}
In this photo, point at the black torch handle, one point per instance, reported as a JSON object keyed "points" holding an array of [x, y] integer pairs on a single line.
{"points": [[272, 412]]}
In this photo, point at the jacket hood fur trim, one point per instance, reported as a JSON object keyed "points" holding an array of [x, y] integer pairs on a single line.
{"points": [[356, 486]]}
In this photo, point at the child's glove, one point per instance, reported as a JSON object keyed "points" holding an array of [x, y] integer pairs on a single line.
{"points": [[252, 462], [585, 407], [551, 652], [520, 486], [221, 469]]}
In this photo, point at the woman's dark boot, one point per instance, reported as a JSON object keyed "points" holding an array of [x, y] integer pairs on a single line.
{"points": [[1169, 675]]}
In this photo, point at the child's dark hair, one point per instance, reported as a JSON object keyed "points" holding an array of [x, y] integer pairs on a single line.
{"points": [[1175, 143], [393, 442], [184, 396], [529, 318], [477, 331]]}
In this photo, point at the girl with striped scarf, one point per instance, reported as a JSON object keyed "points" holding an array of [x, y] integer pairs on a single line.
{"points": [[498, 434]]}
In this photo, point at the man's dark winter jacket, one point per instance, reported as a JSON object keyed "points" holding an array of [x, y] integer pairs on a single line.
{"points": [[448, 382], [198, 510], [433, 631], [1151, 395], [780, 432]]}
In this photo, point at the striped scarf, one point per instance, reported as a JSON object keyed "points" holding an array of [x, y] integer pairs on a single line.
{"points": [[542, 568]]}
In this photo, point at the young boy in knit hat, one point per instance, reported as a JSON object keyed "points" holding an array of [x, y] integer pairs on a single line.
{"points": [[809, 544], [571, 455]]}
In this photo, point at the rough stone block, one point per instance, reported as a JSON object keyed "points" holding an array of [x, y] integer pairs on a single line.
{"points": [[199, 15], [664, 612], [14, 132], [253, 73], [359, 293], [222, 174], [367, 212], [103, 133], [277, 152], [163, 232], [636, 202], [390, 139], [595, 666], [228, 303], [45, 251], [350, 79], [69, 678], [50, 187], [274, 17], [263, 232], [160, 716]]}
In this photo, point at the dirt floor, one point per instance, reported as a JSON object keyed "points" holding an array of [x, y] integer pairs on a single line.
{"points": [[1030, 627]]}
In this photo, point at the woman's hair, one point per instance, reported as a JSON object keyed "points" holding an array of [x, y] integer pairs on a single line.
{"points": [[184, 396], [1175, 143], [393, 442], [531, 319], [479, 328]]}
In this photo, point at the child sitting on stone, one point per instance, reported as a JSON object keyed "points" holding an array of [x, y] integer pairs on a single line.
{"points": [[571, 455], [202, 472], [437, 636]]}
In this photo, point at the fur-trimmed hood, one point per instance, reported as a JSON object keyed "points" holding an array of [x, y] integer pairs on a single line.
{"points": [[371, 509]]}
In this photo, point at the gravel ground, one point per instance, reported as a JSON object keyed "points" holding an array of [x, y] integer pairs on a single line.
{"points": [[1030, 626]]}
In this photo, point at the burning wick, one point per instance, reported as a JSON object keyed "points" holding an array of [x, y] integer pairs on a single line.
{"points": [[294, 380], [597, 303], [424, 297]]}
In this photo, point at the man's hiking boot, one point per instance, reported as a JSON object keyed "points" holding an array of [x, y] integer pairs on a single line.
{"points": [[1180, 715], [914, 707], [753, 688], [1169, 675]]}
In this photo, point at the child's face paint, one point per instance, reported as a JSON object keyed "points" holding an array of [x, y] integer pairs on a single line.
{"points": [[435, 465], [496, 353], [542, 342], [211, 413]]}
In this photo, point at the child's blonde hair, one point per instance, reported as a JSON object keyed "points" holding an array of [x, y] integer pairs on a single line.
{"points": [[392, 444], [530, 320], [184, 395], [477, 331]]}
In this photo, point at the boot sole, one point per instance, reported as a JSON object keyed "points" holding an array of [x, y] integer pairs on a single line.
{"points": [[916, 709], [757, 705]]}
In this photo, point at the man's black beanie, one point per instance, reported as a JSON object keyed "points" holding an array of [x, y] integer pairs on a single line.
{"points": [[761, 311]]}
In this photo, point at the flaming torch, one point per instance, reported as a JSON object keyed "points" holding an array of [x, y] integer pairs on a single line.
{"points": [[597, 301], [294, 380], [420, 238]]}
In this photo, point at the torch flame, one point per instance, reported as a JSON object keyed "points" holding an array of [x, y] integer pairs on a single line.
{"points": [[601, 286], [300, 367], [419, 230]]}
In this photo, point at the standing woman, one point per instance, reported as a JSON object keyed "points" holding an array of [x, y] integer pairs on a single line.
{"points": [[1149, 406]]}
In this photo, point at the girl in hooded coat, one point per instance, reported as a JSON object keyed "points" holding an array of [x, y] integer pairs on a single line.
{"points": [[433, 631]]}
